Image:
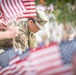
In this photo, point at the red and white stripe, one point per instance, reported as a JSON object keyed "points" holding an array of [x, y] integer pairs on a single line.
{"points": [[17, 9], [42, 61], [47, 61], [18, 66], [59, 70], [30, 9], [14, 60], [6, 71]]}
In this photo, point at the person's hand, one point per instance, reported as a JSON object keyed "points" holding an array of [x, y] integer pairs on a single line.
{"points": [[2, 26], [11, 32]]}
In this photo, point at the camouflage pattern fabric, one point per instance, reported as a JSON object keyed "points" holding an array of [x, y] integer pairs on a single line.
{"points": [[25, 38]]}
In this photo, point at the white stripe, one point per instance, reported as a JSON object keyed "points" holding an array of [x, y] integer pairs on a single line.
{"points": [[22, 5], [56, 70], [47, 58], [44, 51]]}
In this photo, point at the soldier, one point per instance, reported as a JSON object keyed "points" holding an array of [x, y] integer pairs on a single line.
{"points": [[27, 31], [29, 34], [35, 30], [26, 39]]}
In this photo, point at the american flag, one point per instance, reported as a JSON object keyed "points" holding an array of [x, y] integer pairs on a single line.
{"points": [[42, 61], [17, 9]]}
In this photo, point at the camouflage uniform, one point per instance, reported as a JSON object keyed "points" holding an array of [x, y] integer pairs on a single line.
{"points": [[25, 39], [22, 41]]}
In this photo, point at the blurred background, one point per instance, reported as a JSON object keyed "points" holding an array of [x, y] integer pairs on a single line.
{"points": [[64, 10]]}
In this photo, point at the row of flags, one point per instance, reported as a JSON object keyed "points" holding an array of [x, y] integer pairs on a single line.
{"points": [[42, 61]]}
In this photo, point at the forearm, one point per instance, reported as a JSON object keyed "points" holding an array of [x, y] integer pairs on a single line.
{"points": [[3, 35]]}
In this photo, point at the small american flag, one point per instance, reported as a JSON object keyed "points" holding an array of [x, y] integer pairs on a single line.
{"points": [[17, 9], [42, 61]]}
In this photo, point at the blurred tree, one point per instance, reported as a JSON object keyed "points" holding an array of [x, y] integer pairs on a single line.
{"points": [[65, 10]]}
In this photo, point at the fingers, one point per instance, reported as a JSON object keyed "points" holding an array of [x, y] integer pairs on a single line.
{"points": [[3, 26], [12, 31]]}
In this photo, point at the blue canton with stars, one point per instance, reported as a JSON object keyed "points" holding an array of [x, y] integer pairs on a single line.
{"points": [[67, 49]]}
